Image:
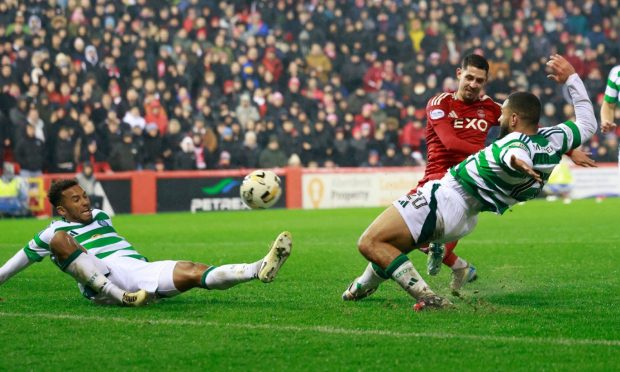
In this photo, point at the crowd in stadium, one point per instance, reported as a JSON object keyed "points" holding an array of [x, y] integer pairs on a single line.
{"points": [[209, 84]]}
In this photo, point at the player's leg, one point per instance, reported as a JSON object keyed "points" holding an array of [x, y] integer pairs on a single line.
{"points": [[462, 271], [384, 243], [374, 274], [188, 275], [372, 277], [366, 284], [434, 251], [87, 269]]}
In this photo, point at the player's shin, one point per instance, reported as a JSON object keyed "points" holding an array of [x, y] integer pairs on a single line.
{"points": [[226, 276], [372, 277], [403, 272], [90, 271]]}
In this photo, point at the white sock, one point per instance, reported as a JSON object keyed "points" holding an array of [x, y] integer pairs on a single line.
{"points": [[410, 280], [459, 264], [369, 278], [226, 276], [87, 269]]}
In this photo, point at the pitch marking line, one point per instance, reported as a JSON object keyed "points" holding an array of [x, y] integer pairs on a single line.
{"points": [[326, 329]]}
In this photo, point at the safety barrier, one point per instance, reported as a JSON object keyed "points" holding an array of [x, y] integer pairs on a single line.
{"points": [[146, 192]]}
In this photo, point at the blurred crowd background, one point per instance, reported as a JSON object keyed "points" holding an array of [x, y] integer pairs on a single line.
{"points": [[207, 84]]}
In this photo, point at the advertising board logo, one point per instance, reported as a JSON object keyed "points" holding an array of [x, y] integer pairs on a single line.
{"points": [[222, 187], [224, 195], [316, 190]]}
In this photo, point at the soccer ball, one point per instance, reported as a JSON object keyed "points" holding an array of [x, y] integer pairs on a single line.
{"points": [[261, 189]]}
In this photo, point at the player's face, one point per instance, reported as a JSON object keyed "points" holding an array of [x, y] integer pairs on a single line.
{"points": [[75, 206], [471, 81]]}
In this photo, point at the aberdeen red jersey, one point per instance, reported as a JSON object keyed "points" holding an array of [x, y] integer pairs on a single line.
{"points": [[455, 129]]}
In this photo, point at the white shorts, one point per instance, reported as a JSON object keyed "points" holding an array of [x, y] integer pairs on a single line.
{"points": [[132, 274], [436, 213]]}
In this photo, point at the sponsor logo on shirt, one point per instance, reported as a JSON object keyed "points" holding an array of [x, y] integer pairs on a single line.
{"points": [[437, 114], [471, 123], [481, 114]]}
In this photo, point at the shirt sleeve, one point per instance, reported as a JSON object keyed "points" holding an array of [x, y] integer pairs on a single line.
{"points": [[585, 121], [38, 248]]}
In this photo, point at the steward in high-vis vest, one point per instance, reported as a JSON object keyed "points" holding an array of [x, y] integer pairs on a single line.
{"points": [[13, 198]]}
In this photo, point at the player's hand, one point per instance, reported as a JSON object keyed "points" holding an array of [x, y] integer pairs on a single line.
{"points": [[522, 167], [608, 127], [582, 159], [559, 69]]}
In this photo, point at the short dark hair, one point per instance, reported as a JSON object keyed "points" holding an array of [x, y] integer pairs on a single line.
{"points": [[475, 60], [526, 105], [54, 194]]}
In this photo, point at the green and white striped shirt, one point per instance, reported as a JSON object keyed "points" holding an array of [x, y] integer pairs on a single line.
{"points": [[99, 238], [612, 91], [488, 177]]}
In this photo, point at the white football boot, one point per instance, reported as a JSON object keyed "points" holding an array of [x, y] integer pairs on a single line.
{"points": [[460, 277], [356, 291], [434, 258], [279, 252]]}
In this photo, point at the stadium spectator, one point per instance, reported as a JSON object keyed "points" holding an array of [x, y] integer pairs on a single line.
{"points": [[123, 154], [391, 158], [250, 151], [30, 154], [318, 64], [185, 159], [93, 188], [63, 155], [245, 111], [272, 156], [110, 59]]}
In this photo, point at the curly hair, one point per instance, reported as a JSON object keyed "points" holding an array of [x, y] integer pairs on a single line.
{"points": [[58, 186]]}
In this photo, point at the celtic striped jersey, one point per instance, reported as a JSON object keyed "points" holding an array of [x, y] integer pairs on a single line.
{"points": [[99, 238], [488, 175], [612, 91]]}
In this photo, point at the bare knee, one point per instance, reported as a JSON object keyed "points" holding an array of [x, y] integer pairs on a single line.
{"points": [[366, 244], [188, 275]]}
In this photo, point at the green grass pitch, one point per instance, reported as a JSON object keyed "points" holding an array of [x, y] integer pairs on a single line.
{"points": [[548, 298]]}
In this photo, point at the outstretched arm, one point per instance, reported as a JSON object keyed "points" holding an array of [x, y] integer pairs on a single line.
{"points": [[14, 265], [524, 168], [562, 72], [451, 140]]}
